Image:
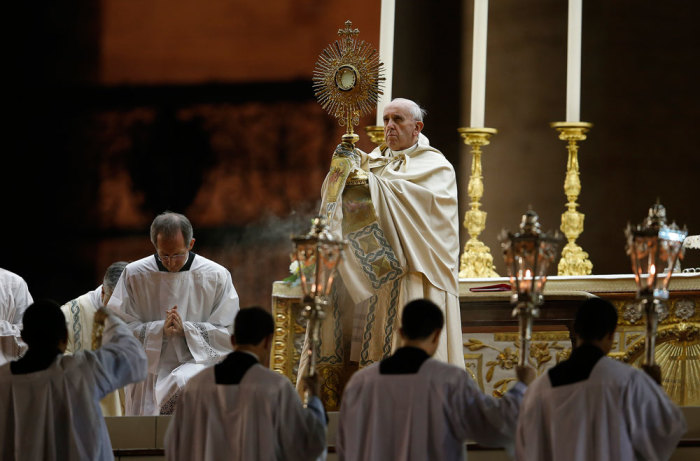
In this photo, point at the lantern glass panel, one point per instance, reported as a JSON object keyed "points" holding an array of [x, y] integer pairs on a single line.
{"points": [[528, 255], [306, 256], [671, 251], [329, 255]]}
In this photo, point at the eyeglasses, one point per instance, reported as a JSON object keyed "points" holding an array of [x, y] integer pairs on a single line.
{"points": [[167, 259]]}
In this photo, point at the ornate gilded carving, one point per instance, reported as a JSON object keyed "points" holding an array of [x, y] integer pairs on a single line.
{"points": [[677, 352], [682, 308], [474, 365], [544, 348], [476, 260], [574, 261], [279, 354], [677, 349], [536, 336], [685, 309], [288, 337], [631, 313]]}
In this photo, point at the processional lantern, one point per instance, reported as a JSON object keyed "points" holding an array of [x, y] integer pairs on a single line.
{"points": [[318, 253], [654, 247], [348, 80], [528, 255]]}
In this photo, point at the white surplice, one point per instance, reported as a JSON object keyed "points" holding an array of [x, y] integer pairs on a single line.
{"points": [[14, 300], [54, 414], [424, 416], [259, 419], [207, 303], [80, 315], [618, 413]]}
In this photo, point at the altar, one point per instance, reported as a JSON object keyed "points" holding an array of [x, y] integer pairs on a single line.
{"points": [[490, 338]]}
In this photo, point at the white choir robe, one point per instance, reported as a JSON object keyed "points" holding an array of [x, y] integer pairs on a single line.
{"points": [[14, 300], [207, 303], [261, 418], [618, 413], [428, 415], [54, 414], [80, 316]]}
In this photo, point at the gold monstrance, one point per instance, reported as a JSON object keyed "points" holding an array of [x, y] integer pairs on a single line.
{"points": [[348, 79]]}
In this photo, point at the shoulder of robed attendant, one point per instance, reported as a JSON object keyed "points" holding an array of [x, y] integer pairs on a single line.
{"points": [[202, 264], [540, 382], [6, 275], [432, 369], [364, 375], [203, 378], [145, 264], [610, 368], [270, 376], [443, 371]]}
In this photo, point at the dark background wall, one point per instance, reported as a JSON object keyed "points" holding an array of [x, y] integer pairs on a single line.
{"points": [[119, 110]]}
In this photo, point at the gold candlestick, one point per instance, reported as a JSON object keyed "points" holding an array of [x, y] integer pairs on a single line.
{"points": [[476, 261], [574, 261], [376, 135]]}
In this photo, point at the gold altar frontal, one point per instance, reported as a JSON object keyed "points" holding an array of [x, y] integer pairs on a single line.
{"points": [[490, 338]]}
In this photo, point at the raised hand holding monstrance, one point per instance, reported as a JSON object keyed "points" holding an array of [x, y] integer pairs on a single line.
{"points": [[347, 82]]}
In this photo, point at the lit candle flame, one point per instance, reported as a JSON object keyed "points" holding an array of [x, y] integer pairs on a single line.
{"points": [[528, 278]]}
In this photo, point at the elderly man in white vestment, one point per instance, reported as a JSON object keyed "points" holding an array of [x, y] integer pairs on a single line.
{"points": [[239, 409], [180, 306], [49, 402], [593, 407], [397, 207], [412, 407], [14, 299], [85, 332]]}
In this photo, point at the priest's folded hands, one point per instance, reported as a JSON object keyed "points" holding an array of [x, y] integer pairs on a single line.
{"points": [[173, 323]]}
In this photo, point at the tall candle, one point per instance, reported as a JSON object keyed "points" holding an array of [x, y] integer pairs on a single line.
{"points": [[573, 62], [481, 11], [386, 55]]}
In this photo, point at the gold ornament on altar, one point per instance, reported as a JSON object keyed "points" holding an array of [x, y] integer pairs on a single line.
{"points": [[574, 261], [476, 260], [348, 79]]}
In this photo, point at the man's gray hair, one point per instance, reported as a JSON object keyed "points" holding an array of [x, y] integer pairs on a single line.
{"points": [[416, 111], [112, 274], [169, 224]]}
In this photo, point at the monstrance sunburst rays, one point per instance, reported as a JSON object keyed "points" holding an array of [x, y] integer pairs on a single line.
{"points": [[348, 79]]}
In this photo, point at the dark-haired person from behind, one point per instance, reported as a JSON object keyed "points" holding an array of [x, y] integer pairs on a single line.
{"points": [[410, 406], [239, 409], [593, 407], [49, 403]]}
